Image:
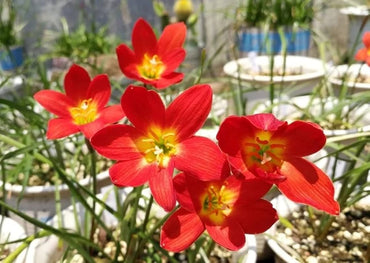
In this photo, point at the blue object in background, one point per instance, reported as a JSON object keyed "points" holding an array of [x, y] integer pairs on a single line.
{"points": [[11, 60], [254, 40], [298, 41]]}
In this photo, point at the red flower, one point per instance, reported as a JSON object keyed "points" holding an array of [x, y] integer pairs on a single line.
{"points": [[153, 61], [364, 53], [161, 140], [272, 150], [227, 209], [82, 108]]}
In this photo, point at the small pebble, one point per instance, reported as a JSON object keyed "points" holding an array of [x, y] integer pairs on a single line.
{"points": [[312, 259], [330, 238], [347, 235]]}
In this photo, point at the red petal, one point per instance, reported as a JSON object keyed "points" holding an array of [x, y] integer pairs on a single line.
{"points": [[127, 60], [366, 39], [173, 60], [54, 102], [100, 90], [188, 112], [182, 192], [166, 80], [111, 114], [230, 236], [173, 36], [307, 184], [143, 38], [265, 121], [256, 217], [301, 138], [143, 108], [76, 83], [361, 54], [180, 230], [107, 116], [232, 132], [91, 128], [238, 166], [161, 186], [252, 189], [134, 172], [117, 142], [59, 128], [202, 158]]}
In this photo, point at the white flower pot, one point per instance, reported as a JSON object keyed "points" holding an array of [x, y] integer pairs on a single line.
{"points": [[10, 230], [39, 201], [284, 207], [345, 75], [357, 15], [305, 74], [308, 69]]}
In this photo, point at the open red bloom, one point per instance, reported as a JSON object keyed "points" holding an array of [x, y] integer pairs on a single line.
{"points": [[227, 209], [153, 61], [364, 53], [161, 140], [82, 108], [273, 150]]}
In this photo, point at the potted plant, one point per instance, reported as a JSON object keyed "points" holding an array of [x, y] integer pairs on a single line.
{"points": [[210, 195], [274, 26], [257, 78], [86, 45], [11, 52], [354, 77], [357, 13], [308, 235]]}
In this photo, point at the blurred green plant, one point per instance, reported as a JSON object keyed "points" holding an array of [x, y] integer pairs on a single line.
{"points": [[8, 27], [276, 13], [82, 44]]}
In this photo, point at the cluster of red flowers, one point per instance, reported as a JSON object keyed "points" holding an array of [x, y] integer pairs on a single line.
{"points": [[220, 186]]}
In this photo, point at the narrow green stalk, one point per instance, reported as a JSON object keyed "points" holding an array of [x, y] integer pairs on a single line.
{"points": [[17, 144], [133, 238], [12, 256], [144, 226], [272, 86], [58, 209], [210, 247], [94, 185]]}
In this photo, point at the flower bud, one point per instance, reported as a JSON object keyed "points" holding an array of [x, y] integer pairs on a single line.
{"points": [[183, 9]]}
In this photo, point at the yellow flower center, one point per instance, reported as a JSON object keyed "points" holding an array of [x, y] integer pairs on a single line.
{"points": [[85, 112], [217, 203], [151, 67], [159, 146], [263, 153]]}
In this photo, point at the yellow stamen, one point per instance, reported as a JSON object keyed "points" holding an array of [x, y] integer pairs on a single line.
{"points": [[158, 147], [217, 203], [85, 112], [151, 67]]}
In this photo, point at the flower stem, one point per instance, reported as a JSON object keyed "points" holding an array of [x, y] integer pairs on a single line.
{"points": [[94, 185], [12, 256]]}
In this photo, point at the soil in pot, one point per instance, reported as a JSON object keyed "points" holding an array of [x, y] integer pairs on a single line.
{"points": [[277, 71], [347, 241]]}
